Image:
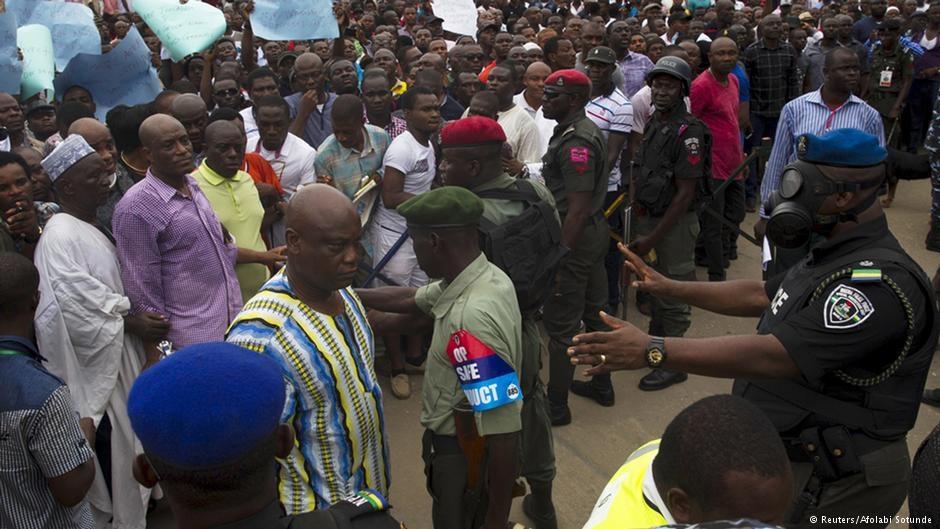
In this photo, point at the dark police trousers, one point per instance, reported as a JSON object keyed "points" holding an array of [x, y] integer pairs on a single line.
{"points": [[580, 296]]}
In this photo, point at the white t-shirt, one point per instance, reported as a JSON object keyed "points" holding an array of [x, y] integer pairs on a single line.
{"points": [[293, 163], [643, 108], [545, 126], [251, 128], [521, 134], [418, 164]]}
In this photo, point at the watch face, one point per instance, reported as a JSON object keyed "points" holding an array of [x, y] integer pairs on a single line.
{"points": [[655, 356]]}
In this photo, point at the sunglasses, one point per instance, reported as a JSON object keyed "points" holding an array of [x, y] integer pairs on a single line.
{"points": [[553, 95]]}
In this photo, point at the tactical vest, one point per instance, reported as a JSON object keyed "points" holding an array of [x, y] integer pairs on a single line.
{"points": [[876, 410], [656, 183]]}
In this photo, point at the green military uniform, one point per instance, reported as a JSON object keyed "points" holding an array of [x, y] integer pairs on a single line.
{"points": [[538, 453], [889, 70], [476, 317], [674, 147], [576, 162]]}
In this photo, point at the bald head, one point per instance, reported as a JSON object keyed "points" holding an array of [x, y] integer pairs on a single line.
{"points": [[88, 126], [99, 137], [319, 208], [166, 145], [538, 68], [191, 111], [187, 104], [308, 60], [157, 124], [219, 129]]}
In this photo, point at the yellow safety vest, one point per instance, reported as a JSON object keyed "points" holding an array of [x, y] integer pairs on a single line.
{"points": [[622, 504]]}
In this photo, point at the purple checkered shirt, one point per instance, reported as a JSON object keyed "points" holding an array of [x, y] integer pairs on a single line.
{"points": [[395, 127], [634, 68], [175, 261]]}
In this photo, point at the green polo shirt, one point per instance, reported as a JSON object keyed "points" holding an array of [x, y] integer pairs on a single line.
{"points": [[235, 201], [481, 301]]}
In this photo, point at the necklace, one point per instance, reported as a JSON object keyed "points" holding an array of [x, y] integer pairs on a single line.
{"points": [[131, 167]]}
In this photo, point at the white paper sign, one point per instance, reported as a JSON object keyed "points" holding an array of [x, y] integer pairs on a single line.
{"points": [[460, 16]]}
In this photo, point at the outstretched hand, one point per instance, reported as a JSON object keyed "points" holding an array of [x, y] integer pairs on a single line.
{"points": [[647, 279], [621, 348]]}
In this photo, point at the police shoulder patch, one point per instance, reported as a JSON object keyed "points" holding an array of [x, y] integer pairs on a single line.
{"points": [[846, 307], [692, 150]]}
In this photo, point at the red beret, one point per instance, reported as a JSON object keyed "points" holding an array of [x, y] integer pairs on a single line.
{"points": [[474, 130], [567, 78]]}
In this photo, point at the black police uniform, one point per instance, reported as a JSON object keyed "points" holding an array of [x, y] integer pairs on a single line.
{"points": [[844, 314]]}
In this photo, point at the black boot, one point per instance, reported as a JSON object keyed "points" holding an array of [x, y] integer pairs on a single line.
{"points": [[933, 237], [602, 394], [661, 379], [558, 411], [539, 508]]}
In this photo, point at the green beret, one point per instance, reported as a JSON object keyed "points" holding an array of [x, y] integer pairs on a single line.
{"points": [[444, 207]]}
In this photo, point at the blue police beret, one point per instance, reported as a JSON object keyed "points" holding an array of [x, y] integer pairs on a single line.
{"points": [[842, 148], [206, 404]]}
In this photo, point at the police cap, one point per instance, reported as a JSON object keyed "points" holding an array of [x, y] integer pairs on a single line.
{"points": [[206, 405], [841, 148], [444, 207]]}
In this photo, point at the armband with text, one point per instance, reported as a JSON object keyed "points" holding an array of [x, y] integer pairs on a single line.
{"points": [[487, 379]]}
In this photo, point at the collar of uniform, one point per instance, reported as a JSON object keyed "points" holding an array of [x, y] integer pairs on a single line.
{"points": [[575, 116], [502, 181], [215, 179], [455, 288], [270, 516], [859, 237]]}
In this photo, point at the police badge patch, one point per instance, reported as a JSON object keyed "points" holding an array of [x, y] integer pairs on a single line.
{"points": [[846, 307], [693, 154]]}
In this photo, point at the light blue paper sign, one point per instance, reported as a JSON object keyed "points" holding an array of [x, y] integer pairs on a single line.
{"points": [[11, 68], [35, 42], [73, 29], [22, 10], [183, 28], [294, 19], [123, 76]]}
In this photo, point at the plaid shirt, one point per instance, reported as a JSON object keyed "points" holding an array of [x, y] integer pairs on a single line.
{"points": [[634, 68], [395, 127], [774, 75]]}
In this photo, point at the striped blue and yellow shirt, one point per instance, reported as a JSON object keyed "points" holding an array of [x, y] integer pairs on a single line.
{"points": [[334, 402]]}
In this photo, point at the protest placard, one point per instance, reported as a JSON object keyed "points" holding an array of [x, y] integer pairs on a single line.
{"points": [[73, 29], [460, 16], [183, 29], [11, 68], [123, 76], [35, 42], [294, 19]]}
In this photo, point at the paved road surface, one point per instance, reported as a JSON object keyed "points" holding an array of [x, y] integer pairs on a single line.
{"points": [[591, 449]]}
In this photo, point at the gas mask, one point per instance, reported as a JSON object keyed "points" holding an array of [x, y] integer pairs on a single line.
{"points": [[794, 207]]}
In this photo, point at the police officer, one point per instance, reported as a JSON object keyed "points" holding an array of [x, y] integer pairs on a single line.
{"points": [[892, 72], [575, 171], [470, 445], [471, 159], [845, 340], [208, 417], [673, 163], [932, 145]]}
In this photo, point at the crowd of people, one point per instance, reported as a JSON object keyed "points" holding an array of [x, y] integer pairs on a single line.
{"points": [[202, 295]]}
